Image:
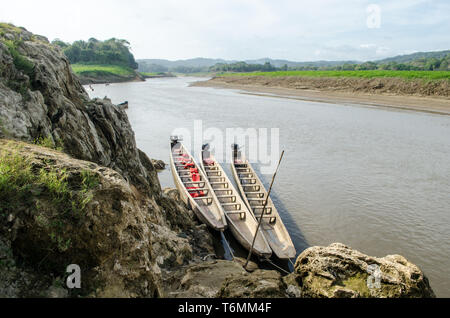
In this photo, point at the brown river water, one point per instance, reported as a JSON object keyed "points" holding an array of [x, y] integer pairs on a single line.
{"points": [[377, 180]]}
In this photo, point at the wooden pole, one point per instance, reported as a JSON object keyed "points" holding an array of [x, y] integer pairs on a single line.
{"points": [[263, 212]]}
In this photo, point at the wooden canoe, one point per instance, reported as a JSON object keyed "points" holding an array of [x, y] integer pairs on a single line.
{"points": [[255, 195], [195, 189], [241, 221]]}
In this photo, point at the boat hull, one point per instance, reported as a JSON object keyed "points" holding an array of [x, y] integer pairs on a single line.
{"points": [[277, 235], [243, 230], [218, 222]]}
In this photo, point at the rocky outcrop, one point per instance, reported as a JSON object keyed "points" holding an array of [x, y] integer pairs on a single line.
{"points": [[226, 279], [126, 233], [69, 211], [338, 271], [159, 164], [40, 97], [259, 284]]}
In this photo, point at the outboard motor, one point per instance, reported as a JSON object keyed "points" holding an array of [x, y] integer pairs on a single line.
{"points": [[206, 153], [236, 152], [175, 139]]}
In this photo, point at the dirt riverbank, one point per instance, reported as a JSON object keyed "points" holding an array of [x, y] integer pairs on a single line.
{"points": [[383, 92]]}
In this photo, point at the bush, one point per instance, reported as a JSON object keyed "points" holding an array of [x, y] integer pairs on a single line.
{"points": [[20, 62], [46, 192]]}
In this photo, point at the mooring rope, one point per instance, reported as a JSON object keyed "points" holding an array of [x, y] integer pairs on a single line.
{"points": [[263, 212], [228, 245], [275, 265], [292, 263]]}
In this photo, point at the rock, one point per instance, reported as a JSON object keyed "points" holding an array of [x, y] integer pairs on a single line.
{"points": [[53, 104], [205, 280], [57, 292], [338, 271], [113, 228], [131, 233], [259, 284], [124, 241], [159, 164], [251, 267], [293, 290]]}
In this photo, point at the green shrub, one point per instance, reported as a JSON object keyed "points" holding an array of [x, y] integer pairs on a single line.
{"points": [[48, 142], [47, 192], [20, 61]]}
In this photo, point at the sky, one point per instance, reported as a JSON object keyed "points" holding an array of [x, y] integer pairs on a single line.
{"points": [[296, 30]]}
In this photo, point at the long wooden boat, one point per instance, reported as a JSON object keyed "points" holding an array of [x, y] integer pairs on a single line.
{"points": [[241, 221], [255, 196], [195, 189]]}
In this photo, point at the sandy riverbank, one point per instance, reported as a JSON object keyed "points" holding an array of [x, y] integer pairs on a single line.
{"points": [[274, 88]]}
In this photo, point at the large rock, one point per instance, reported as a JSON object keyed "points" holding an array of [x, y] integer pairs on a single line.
{"points": [[338, 271], [259, 284], [77, 212], [48, 101], [204, 280]]}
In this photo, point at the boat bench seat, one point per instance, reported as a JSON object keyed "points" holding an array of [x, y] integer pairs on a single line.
{"points": [[209, 200], [256, 187], [216, 177], [214, 173], [220, 192], [195, 182], [258, 194], [238, 206], [272, 219], [260, 201], [198, 189], [226, 197], [220, 183], [242, 214], [267, 209], [248, 181]]}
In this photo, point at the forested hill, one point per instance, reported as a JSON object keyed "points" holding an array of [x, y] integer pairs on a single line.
{"points": [[109, 52], [439, 55], [97, 61]]}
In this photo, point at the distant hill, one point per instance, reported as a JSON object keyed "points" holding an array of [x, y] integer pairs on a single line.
{"points": [[417, 61], [196, 64], [203, 64], [415, 56], [281, 63]]}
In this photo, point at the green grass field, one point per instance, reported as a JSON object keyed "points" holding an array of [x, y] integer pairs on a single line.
{"points": [[150, 74], [87, 69], [426, 75]]}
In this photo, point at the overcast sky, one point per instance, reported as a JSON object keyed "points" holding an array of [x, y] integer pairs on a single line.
{"points": [[245, 29]]}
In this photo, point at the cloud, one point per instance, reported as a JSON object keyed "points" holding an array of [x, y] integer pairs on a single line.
{"points": [[243, 29]]}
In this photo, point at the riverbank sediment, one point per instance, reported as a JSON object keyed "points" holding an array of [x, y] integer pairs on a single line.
{"points": [[334, 91]]}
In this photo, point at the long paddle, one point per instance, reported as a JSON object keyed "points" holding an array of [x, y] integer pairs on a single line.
{"points": [[263, 212]]}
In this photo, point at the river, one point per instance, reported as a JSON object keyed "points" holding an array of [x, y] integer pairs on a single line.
{"points": [[377, 180]]}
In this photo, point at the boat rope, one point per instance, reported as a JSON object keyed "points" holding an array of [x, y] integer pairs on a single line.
{"points": [[276, 266], [228, 245], [263, 211], [292, 263], [208, 256]]}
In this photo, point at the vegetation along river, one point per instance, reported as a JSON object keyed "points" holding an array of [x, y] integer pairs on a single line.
{"points": [[377, 180]]}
